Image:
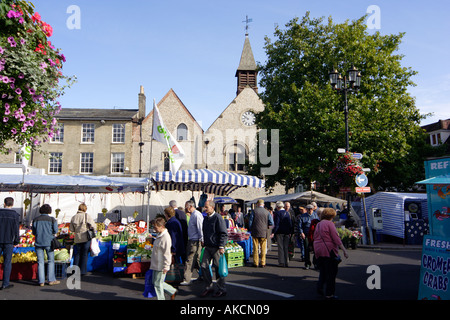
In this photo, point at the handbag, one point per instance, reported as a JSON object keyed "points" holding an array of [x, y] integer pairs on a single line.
{"points": [[91, 234], [175, 273], [223, 266], [55, 244]]}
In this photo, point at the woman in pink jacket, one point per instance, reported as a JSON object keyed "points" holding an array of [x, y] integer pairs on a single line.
{"points": [[326, 249]]}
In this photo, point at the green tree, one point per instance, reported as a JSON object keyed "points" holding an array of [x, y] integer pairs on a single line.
{"points": [[299, 101], [31, 78]]}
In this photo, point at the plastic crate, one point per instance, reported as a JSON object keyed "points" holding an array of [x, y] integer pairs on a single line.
{"points": [[235, 259], [235, 263], [61, 269]]}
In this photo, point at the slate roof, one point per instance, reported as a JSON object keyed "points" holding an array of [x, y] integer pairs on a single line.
{"points": [[247, 62], [440, 125], [96, 114]]}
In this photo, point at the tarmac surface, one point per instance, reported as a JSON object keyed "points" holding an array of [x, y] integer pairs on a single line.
{"points": [[268, 292], [399, 265]]}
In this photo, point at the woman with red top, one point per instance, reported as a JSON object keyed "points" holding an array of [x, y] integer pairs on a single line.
{"points": [[326, 249]]}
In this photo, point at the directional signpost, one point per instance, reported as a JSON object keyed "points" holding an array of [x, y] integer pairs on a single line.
{"points": [[357, 156]]}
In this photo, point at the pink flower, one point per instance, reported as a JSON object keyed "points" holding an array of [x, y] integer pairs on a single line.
{"points": [[36, 17], [13, 14], [14, 131], [43, 66], [12, 42], [19, 91], [5, 119]]}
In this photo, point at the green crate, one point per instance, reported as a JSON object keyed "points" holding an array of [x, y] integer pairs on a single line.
{"points": [[231, 256], [235, 263]]}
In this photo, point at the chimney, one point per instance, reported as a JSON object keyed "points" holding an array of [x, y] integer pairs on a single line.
{"points": [[142, 103]]}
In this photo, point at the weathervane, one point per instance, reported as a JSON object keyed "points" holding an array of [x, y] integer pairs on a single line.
{"points": [[247, 21]]}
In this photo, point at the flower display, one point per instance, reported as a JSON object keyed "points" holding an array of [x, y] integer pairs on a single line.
{"points": [[356, 234], [30, 76], [345, 171]]}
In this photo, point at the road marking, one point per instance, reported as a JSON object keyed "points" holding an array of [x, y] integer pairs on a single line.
{"points": [[277, 293]]}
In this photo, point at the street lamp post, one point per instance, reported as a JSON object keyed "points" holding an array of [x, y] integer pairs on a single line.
{"points": [[344, 85]]}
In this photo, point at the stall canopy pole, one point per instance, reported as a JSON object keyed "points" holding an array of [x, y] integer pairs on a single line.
{"points": [[149, 191]]}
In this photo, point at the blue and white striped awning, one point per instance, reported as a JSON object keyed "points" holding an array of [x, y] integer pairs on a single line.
{"points": [[219, 183]]}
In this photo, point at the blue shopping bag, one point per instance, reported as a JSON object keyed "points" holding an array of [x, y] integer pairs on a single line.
{"points": [[149, 289], [223, 266]]}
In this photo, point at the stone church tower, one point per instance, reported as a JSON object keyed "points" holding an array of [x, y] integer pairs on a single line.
{"points": [[231, 139]]}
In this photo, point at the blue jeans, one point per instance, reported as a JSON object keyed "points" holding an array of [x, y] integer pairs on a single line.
{"points": [[81, 256], [41, 264], [6, 249]]}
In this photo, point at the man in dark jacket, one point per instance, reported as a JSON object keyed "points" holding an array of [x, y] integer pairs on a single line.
{"points": [[9, 237], [282, 230], [259, 222], [215, 238], [181, 216], [175, 230]]}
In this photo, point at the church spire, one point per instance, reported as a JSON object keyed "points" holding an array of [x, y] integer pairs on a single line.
{"points": [[247, 72]]}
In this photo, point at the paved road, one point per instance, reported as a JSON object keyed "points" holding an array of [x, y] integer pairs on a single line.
{"points": [[399, 270]]}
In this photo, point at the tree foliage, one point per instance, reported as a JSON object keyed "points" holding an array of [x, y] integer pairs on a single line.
{"points": [[299, 101]]}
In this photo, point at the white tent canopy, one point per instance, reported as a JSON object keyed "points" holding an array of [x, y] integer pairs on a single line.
{"points": [[72, 184], [307, 196]]}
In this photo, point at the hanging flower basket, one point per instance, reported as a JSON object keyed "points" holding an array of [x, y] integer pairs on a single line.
{"points": [[345, 171], [30, 74]]}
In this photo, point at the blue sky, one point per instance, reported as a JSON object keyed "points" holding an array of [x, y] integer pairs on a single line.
{"points": [[194, 47]]}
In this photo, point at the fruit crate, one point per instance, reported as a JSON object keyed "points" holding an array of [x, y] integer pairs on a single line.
{"points": [[235, 259], [61, 269]]}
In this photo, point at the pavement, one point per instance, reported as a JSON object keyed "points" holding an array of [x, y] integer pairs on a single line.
{"points": [[268, 292], [398, 262], [391, 246]]}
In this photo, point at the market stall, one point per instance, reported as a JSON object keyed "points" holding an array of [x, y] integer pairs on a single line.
{"points": [[404, 215], [434, 271], [25, 260], [220, 184]]}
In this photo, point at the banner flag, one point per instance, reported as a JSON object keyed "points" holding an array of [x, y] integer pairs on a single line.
{"points": [[161, 134]]}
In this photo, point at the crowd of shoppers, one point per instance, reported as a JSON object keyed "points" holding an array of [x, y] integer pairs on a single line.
{"points": [[196, 239]]}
